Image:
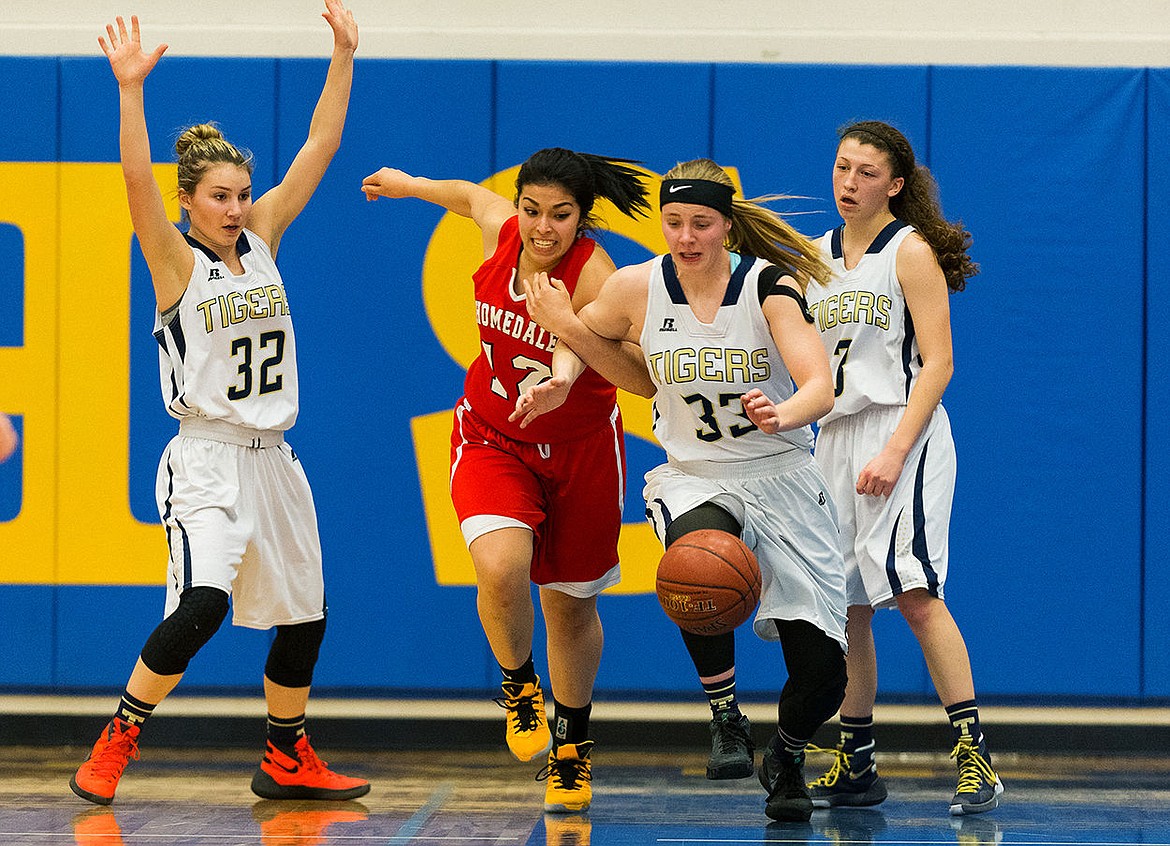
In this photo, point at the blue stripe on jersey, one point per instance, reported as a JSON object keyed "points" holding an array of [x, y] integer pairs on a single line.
{"points": [[243, 246], [889, 231], [740, 267], [879, 243], [907, 352]]}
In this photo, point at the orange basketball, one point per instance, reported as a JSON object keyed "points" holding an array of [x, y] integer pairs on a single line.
{"points": [[708, 582]]}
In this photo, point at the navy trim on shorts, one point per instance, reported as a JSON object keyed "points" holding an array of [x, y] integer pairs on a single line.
{"points": [[918, 543]]}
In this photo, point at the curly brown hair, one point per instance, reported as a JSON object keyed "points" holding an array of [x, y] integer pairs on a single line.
{"points": [[917, 203]]}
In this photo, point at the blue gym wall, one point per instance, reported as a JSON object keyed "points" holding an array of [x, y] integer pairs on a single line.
{"points": [[1058, 576]]}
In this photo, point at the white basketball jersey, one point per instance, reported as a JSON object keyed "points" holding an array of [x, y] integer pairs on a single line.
{"points": [[226, 350], [867, 331], [701, 369]]}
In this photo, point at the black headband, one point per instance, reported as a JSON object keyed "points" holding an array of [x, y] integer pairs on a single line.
{"points": [[701, 192], [906, 167]]}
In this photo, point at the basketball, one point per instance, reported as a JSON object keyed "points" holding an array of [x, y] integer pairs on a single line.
{"points": [[708, 582]]}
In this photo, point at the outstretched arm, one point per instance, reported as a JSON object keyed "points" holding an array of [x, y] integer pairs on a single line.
{"points": [[166, 252], [615, 315], [467, 199], [274, 211], [619, 362]]}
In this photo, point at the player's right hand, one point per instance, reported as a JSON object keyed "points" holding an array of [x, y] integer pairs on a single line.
{"points": [[540, 399], [124, 50]]}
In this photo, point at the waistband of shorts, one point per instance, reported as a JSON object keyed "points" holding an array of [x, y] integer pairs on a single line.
{"points": [[752, 468], [211, 429]]}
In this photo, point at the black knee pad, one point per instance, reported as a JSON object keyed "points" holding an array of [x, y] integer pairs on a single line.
{"points": [[175, 640], [293, 654], [705, 516]]}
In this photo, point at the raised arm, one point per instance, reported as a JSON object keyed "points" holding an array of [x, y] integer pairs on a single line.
{"points": [[487, 208], [166, 252], [274, 211]]}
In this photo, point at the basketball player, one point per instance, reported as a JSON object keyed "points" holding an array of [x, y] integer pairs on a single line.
{"points": [[543, 504], [886, 446], [725, 333], [234, 499], [8, 438]]}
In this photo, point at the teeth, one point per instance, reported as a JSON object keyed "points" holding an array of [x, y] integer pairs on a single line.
{"points": [[543, 244]]}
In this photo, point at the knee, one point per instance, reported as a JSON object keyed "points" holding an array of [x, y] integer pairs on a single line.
{"points": [[175, 640], [919, 608], [293, 654]]}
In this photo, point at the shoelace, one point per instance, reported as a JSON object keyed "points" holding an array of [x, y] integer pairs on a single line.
{"points": [[973, 770], [841, 764], [308, 758], [732, 734], [565, 773], [115, 755], [522, 710]]}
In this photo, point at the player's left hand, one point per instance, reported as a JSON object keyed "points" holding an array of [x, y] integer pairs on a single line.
{"points": [[761, 411]]}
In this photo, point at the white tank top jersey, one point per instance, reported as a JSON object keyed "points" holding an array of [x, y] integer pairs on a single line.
{"points": [[867, 331], [226, 349], [701, 370]]}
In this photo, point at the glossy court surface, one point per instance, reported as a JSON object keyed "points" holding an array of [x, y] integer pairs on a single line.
{"points": [[201, 798]]}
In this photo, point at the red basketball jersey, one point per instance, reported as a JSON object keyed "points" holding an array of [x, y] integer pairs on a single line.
{"points": [[515, 352]]}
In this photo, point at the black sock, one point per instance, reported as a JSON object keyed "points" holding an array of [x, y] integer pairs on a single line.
{"points": [[524, 674], [793, 746], [284, 732], [856, 732], [132, 710], [721, 695], [570, 725], [964, 719]]}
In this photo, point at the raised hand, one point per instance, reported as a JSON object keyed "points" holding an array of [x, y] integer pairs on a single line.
{"points": [[345, 31], [130, 64]]}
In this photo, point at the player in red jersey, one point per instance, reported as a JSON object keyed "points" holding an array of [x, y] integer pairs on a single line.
{"points": [[540, 504]]}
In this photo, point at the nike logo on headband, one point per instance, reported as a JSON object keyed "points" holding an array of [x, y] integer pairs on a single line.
{"points": [[673, 188]]}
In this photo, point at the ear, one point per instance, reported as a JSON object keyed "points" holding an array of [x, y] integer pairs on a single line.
{"points": [[184, 200], [896, 185]]}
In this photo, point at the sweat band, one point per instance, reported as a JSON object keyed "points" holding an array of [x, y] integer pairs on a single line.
{"points": [[701, 192]]}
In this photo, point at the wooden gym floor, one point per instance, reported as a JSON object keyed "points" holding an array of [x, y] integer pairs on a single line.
{"points": [[468, 795]]}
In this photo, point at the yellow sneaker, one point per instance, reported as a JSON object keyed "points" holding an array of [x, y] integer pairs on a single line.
{"points": [[573, 830], [569, 774], [527, 727]]}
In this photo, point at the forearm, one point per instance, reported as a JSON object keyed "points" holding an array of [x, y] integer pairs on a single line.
{"points": [[328, 120], [619, 363], [924, 398], [810, 402]]}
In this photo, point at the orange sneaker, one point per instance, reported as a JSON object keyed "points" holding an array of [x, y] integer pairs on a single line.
{"points": [[304, 777], [96, 827], [285, 825], [97, 779]]}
